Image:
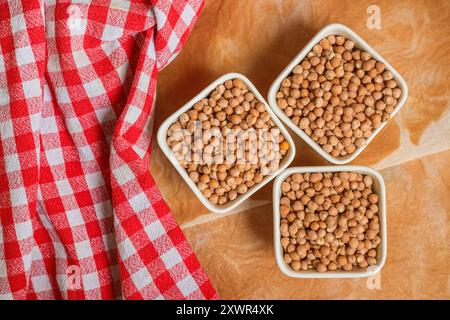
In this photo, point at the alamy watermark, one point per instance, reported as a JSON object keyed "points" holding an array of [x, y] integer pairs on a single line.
{"points": [[374, 17], [75, 19], [200, 146], [73, 277], [374, 281]]}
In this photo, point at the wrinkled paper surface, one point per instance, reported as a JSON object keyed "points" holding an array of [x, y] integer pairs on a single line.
{"points": [[258, 39]]}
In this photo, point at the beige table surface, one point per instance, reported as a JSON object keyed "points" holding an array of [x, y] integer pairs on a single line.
{"points": [[258, 38]]}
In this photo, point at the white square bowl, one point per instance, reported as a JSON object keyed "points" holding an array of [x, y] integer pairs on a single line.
{"points": [[229, 206], [378, 187], [333, 29]]}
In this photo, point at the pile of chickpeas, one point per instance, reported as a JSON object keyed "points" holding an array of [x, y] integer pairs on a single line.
{"points": [[329, 221], [338, 95], [223, 177]]}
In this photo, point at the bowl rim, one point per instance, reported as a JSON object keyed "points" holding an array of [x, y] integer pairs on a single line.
{"points": [[329, 274], [334, 28], [161, 138]]}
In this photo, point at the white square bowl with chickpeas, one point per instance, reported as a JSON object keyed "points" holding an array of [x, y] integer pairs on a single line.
{"points": [[329, 222], [337, 94], [231, 100]]}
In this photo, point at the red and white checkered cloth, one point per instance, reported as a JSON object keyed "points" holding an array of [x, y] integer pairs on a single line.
{"points": [[80, 215]]}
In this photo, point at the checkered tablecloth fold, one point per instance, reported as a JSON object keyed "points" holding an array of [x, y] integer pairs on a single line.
{"points": [[80, 214]]}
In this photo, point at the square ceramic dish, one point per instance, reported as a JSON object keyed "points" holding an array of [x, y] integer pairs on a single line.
{"points": [[162, 133], [333, 29], [378, 187]]}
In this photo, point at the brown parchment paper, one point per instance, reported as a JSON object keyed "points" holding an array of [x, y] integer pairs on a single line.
{"points": [[258, 38]]}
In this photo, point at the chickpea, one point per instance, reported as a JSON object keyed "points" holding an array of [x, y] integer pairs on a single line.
{"points": [[194, 175], [321, 267], [373, 198], [284, 211], [314, 226], [304, 123], [232, 195], [353, 243], [293, 230], [332, 266], [324, 250], [296, 265], [342, 261], [242, 188]]}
